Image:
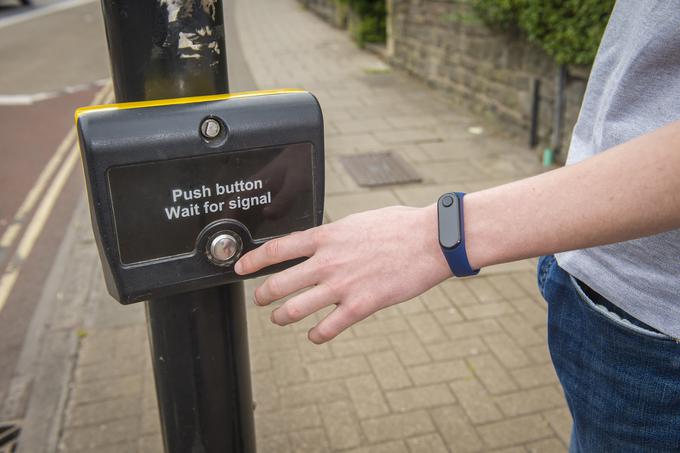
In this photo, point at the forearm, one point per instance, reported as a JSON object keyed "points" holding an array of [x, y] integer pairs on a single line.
{"points": [[630, 191]]}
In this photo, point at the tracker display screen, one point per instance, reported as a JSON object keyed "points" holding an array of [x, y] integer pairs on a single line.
{"points": [[161, 207]]}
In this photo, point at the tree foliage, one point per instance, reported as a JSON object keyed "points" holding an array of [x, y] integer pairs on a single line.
{"points": [[568, 30], [372, 19]]}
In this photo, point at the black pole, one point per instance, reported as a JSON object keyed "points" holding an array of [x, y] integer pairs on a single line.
{"points": [[199, 344]]}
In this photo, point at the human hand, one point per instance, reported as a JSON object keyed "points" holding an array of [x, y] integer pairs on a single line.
{"points": [[360, 264]]}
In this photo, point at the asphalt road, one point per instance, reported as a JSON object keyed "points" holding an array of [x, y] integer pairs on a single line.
{"points": [[60, 55], [52, 62]]}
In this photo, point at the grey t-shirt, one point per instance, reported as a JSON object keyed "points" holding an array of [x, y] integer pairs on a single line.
{"points": [[634, 88]]}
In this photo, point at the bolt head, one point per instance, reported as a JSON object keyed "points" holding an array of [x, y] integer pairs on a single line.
{"points": [[210, 128]]}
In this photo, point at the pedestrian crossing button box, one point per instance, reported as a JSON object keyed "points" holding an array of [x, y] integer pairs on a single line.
{"points": [[179, 189]]}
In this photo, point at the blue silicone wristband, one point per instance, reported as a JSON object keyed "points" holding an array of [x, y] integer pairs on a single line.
{"points": [[457, 256]]}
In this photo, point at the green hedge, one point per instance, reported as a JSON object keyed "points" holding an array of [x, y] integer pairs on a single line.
{"points": [[372, 16], [568, 30]]}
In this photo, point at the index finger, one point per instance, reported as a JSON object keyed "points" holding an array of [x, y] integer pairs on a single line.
{"points": [[295, 245]]}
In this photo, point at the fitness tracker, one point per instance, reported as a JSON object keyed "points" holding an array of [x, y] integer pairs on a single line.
{"points": [[452, 234]]}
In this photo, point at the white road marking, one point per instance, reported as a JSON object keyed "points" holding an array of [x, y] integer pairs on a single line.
{"points": [[30, 99], [42, 213], [36, 226], [29, 202], [42, 11]]}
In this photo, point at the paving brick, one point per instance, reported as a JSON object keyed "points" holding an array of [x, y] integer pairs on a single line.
{"points": [[110, 369], [311, 352], [539, 353], [412, 135], [350, 143], [339, 206], [488, 310], [423, 397], [288, 368], [276, 442], [447, 316], [527, 280], [475, 400], [313, 393], [491, 373], [389, 371], [533, 312], [514, 431], [151, 422], [483, 290], [148, 444], [506, 350], [385, 447], [520, 330], [459, 293], [309, 441], [472, 328], [508, 287], [265, 392], [547, 446], [426, 328], [380, 327], [439, 372], [529, 401], [560, 421], [429, 443], [435, 299], [104, 389], [409, 348], [101, 412], [464, 347], [352, 126], [397, 426], [535, 376], [93, 437], [456, 430], [287, 420], [341, 425], [364, 345], [337, 368], [367, 397]]}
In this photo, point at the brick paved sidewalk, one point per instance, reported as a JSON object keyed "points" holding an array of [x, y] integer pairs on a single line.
{"points": [[464, 368]]}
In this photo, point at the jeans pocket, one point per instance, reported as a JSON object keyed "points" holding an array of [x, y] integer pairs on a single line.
{"points": [[614, 318]]}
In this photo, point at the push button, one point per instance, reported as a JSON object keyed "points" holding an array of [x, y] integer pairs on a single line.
{"points": [[224, 248], [447, 201]]}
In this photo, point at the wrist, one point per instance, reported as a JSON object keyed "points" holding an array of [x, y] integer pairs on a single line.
{"points": [[479, 251], [431, 241]]}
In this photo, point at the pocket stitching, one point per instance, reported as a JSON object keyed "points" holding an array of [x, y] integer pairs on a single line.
{"points": [[618, 322]]}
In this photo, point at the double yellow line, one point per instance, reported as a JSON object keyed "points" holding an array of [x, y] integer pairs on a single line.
{"points": [[54, 176]]}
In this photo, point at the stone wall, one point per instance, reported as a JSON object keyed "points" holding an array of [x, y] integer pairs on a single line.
{"points": [[329, 10], [443, 43]]}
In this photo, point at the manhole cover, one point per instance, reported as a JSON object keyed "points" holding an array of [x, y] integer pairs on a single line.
{"points": [[379, 169], [9, 437]]}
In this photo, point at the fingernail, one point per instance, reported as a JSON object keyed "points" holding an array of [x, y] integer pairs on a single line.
{"points": [[238, 267]]}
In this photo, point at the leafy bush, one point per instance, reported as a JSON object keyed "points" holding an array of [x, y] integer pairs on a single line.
{"points": [[372, 15], [568, 30]]}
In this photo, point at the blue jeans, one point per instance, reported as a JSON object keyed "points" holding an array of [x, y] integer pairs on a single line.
{"points": [[621, 378]]}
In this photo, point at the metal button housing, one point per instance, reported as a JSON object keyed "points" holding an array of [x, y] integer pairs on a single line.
{"points": [[224, 248]]}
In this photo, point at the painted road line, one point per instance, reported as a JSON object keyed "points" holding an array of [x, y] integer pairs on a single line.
{"points": [[42, 213], [36, 226], [42, 11], [31, 199], [14, 100]]}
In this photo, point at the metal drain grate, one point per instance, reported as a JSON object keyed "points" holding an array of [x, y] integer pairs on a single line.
{"points": [[9, 437], [379, 169]]}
